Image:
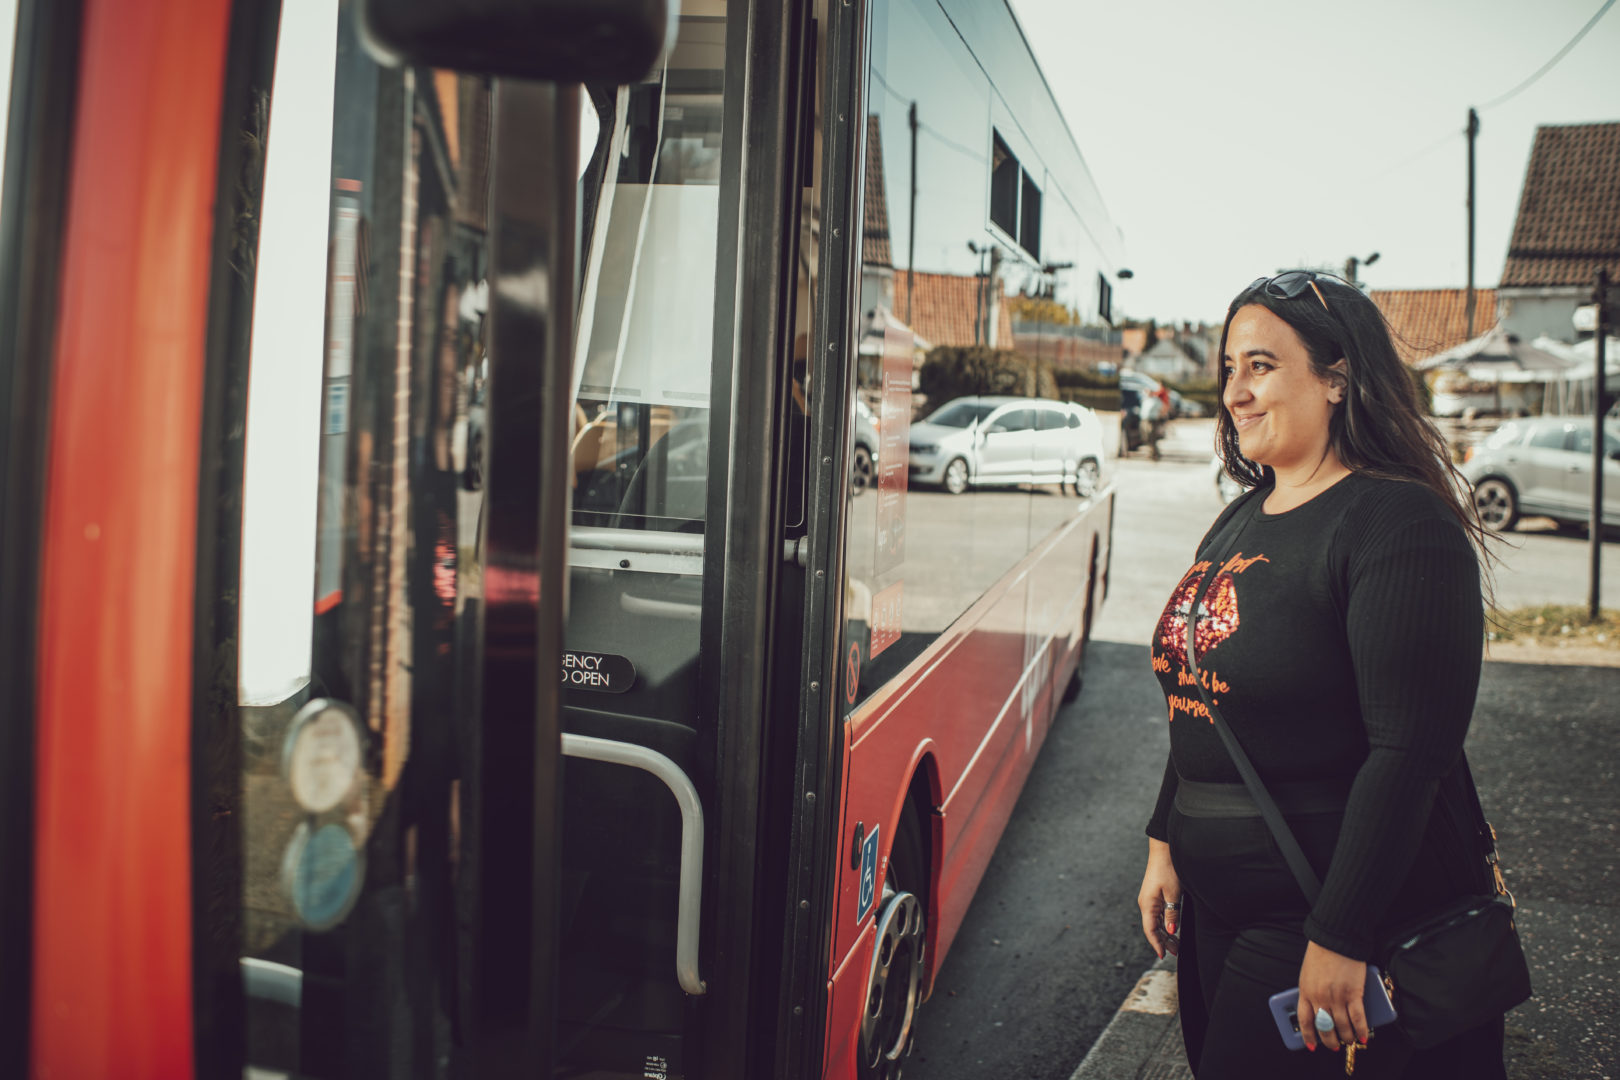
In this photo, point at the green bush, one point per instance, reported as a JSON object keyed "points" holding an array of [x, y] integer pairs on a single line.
{"points": [[1101, 400], [1076, 379], [1204, 391], [953, 371]]}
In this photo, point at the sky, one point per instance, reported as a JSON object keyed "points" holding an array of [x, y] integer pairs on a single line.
{"points": [[1237, 138]]}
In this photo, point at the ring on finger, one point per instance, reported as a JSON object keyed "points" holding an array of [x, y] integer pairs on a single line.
{"points": [[1171, 905], [1324, 1021]]}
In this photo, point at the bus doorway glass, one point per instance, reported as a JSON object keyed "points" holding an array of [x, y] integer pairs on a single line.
{"points": [[643, 371]]}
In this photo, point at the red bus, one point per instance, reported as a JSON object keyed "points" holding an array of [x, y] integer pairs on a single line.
{"points": [[523, 545]]}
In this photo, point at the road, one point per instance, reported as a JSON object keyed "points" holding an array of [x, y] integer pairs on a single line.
{"points": [[1051, 945]]}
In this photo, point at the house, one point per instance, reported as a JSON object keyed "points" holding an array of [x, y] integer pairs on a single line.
{"points": [[1171, 359], [877, 255], [955, 309], [941, 309], [1427, 321], [1568, 226]]}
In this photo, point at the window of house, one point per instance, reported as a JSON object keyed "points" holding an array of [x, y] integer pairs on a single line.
{"points": [[1029, 218], [1015, 199], [1004, 174]]}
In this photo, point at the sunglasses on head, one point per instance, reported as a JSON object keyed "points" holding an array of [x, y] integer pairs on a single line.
{"points": [[1289, 285]]}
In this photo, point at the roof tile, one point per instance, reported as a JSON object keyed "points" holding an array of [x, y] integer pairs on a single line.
{"points": [[1569, 210], [1427, 321], [946, 306], [875, 247]]}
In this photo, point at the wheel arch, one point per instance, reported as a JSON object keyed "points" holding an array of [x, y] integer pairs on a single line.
{"points": [[923, 795]]}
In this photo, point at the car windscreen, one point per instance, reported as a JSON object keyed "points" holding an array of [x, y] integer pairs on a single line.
{"points": [[1506, 435], [961, 414]]}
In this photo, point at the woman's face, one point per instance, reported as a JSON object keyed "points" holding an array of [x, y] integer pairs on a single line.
{"points": [[1278, 404]]}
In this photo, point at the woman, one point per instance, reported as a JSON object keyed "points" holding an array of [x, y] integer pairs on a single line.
{"points": [[1340, 638]]}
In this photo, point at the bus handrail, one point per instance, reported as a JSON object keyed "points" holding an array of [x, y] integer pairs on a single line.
{"points": [[691, 883], [267, 980], [636, 541]]}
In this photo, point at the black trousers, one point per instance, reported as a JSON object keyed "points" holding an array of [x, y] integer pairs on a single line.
{"points": [[1243, 939]]}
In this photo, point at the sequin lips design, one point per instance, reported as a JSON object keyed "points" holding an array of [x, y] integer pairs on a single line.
{"points": [[1217, 613]]}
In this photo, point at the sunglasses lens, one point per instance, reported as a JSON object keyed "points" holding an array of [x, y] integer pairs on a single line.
{"points": [[1290, 285]]}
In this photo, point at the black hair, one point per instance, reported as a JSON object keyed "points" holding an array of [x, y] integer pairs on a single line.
{"points": [[1380, 428]]}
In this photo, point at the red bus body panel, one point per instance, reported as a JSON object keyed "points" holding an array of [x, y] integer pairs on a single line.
{"points": [[973, 710], [112, 991]]}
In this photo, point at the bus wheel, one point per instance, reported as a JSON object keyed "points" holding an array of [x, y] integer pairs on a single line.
{"points": [[894, 984]]}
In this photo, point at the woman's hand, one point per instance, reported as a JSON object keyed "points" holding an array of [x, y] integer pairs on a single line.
{"points": [[1160, 900], [1328, 980]]}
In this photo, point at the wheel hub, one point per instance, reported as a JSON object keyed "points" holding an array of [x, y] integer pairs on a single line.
{"points": [[892, 985]]}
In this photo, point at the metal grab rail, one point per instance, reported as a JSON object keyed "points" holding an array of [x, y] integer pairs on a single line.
{"points": [[267, 980], [636, 541], [691, 883]]}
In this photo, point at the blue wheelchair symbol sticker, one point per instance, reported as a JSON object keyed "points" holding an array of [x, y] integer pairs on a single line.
{"points": [[869, 858]]}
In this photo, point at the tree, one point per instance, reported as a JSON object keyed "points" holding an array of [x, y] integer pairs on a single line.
{"points": [[953, 371], [1039, 309]]}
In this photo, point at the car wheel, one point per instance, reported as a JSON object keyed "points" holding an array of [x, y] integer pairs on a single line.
{"points": [[895, 981], [956, 476], [1087, 478], [1497, 503], [860, 470]]}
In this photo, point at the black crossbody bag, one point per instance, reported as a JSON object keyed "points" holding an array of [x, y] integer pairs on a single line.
{"points": [[1454, 969]]}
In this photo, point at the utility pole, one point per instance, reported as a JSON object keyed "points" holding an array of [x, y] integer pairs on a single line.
{"points": [[911, 229], [1473, 133], [1600, 408]]}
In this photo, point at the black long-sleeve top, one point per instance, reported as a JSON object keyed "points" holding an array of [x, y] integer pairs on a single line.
{"points": [[1341, 641]]}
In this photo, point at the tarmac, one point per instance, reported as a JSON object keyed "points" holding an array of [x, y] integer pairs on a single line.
{"points": [[1545, 750]]}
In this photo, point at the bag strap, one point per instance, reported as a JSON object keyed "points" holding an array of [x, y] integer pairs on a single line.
{"points": [[1303, 873], [1485, 831]]}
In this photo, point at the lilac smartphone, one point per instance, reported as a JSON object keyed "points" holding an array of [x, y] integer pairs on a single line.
{"points": [[1374, 1000]]}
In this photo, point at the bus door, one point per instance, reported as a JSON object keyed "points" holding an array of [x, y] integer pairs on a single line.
{"points": [[694, 388]]}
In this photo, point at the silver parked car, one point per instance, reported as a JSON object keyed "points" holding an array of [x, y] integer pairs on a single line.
{"points": [[863, 462], [995, 441], [1542, 466]]}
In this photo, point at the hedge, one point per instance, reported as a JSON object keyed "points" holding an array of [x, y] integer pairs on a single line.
{"points": [[953, 371]]}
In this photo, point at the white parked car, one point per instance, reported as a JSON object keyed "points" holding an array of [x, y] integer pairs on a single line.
{"points": [[991, 441]]}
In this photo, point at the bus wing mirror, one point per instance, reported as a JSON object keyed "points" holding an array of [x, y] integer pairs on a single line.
{"points": [[566, 41]]}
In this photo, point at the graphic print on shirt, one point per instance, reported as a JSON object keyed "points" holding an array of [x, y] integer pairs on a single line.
{"points": [[1217, 620]]}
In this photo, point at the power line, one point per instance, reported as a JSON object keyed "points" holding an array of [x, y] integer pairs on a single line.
{"points": [[1549, 65], [1413, 158], [1451, 136]]}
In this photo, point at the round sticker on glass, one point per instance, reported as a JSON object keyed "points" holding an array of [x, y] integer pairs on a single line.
{"points": [[321, 873], [321, 758]]}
